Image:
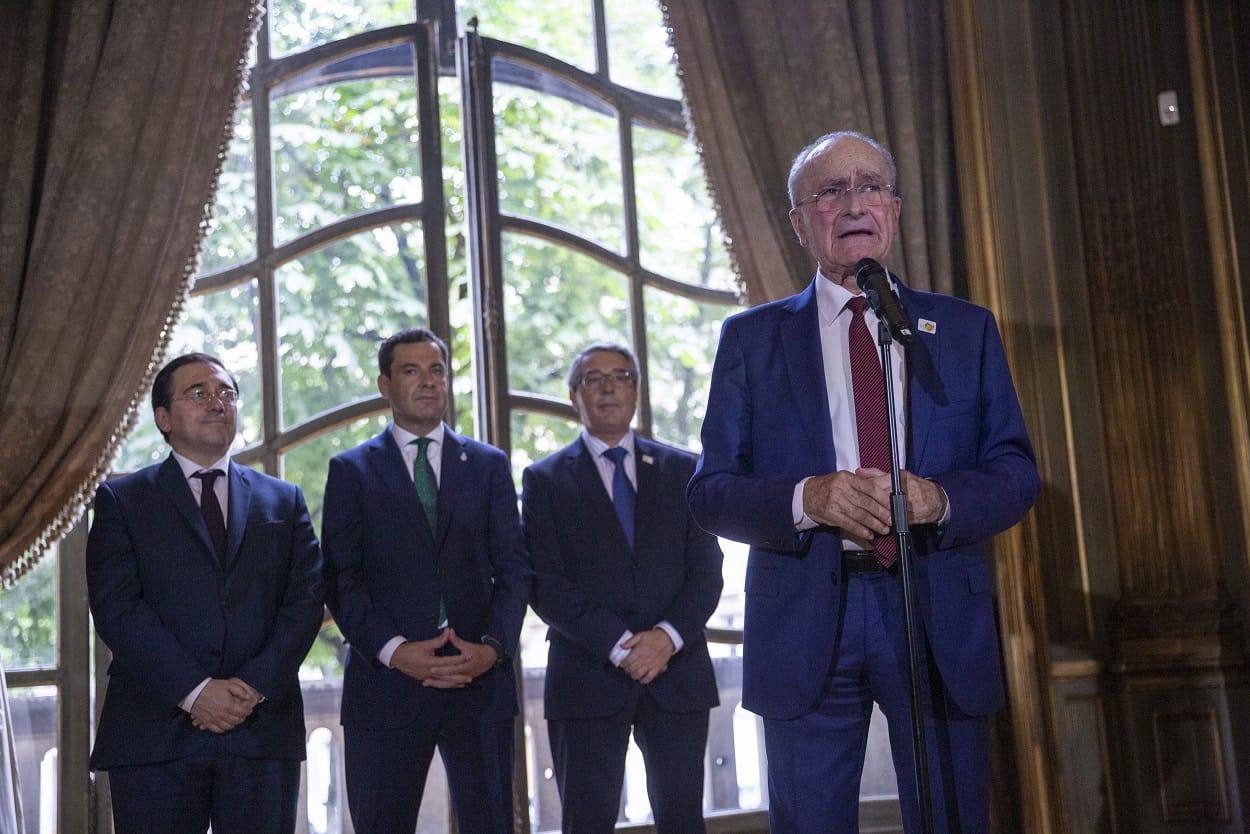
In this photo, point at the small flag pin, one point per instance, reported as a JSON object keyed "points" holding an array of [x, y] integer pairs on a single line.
{"points": [[927, 326], [648, 459]]}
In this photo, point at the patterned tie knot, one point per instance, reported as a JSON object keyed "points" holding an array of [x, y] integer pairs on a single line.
{"points": [[616, 454], [423, 446], [858, 305]]}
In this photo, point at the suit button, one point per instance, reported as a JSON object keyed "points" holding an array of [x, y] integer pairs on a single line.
{"points": [[833, 577], [637, 564]]}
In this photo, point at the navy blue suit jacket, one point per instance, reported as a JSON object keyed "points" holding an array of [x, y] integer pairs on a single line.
{"points": [[590, 586], [767, 427], [172, 617], [386, 570]]}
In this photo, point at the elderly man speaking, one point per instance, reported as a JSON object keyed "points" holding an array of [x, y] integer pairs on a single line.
{"points": [[795, 463]]}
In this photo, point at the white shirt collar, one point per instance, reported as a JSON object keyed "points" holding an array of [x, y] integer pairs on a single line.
{"points": [[831, 297], [190, 467], [597, 447], [403, 437]]}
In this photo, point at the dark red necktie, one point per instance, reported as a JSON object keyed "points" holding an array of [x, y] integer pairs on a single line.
{"points": [[210, 508], [870, 417]]}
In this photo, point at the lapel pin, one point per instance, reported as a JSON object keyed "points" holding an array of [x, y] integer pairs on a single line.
{"points": [[647, 459], [463, 456], [927, 326]]}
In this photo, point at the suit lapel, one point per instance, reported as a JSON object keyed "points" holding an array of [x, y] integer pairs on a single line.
{"points": [[590, 485], [174, 483], [388, 462], [924, 385], [236, 518], [648, 506], [455, 469], [800, 339]]}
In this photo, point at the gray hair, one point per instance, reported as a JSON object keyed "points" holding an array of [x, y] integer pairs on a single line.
{"points": [[575, 369], [818, 148]]}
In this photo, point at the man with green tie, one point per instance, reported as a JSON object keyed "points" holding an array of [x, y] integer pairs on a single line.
{"points": [[427, 580]]}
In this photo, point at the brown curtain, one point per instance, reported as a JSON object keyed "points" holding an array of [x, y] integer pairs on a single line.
{"points": [[116, 115], [763, 78]]}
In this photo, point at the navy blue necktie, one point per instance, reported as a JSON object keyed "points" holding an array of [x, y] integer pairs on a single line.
{"points": [[623, 497]]}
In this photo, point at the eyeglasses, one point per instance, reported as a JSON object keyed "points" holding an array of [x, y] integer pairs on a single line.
{"points": [[833, 197], [595, 380], [202, 397]]}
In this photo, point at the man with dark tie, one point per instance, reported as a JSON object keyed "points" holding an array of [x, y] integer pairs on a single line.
{"points": [[427, 580], [204, 578], [626, 581], [795, 463]]}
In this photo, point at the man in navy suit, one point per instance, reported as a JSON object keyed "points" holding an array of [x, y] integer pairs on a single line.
{"points": [[793, 464], [626, 581], [427, 580], [205, 583]]}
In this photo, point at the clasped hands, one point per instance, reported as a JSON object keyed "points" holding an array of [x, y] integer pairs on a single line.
{"points": [[859, 502], [223, 704], [417, 660], [649, 653]]}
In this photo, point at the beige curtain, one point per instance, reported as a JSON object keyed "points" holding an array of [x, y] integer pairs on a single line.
{"points": [[763, 78], [116, 115]]}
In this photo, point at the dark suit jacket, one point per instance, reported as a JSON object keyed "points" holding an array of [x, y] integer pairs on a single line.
{"points": [[767, 427], [172, 617], [386, 569], [590, 586]]}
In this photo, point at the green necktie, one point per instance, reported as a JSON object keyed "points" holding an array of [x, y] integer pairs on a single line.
{"points": [[427, 494]]}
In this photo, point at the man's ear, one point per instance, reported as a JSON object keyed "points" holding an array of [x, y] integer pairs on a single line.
{"points": [[798, 228], [163, 421]]}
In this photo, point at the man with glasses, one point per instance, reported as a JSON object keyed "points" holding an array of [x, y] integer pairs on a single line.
{"points": [[426, 577], [626, 581], [204, 579], [796, 463]]}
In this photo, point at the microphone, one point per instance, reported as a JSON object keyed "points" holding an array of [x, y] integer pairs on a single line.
{"points": [[873, 280]]}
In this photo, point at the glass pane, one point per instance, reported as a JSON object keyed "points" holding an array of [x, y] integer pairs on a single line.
{"points": [[306, 464], [560, 28], [231, 237], [33, 712], [336, 305], [555, 303], [224, 324], [679, 234], [559, 161], [638, 50], [728, 613], [681, 345], [343, 148], [297, 24], [28, 618], [460, 302], [534, 436]]}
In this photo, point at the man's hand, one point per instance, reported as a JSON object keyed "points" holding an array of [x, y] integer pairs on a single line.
{"points": [[222, 705], [480, 658], [926, 501], [857, 503], [417, 660], [649, 653]]}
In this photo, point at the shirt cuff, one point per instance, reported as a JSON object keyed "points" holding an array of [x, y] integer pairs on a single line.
{"points": [[672, 634], [946, 499], [801, 521], [189, 701], [619, 652], [388, 650]]}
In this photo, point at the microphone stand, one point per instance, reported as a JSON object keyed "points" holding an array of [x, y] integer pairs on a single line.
{"points": [[902, 535]]}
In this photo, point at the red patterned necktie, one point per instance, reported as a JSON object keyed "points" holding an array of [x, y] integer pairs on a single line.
{"points": [[870, 417]]}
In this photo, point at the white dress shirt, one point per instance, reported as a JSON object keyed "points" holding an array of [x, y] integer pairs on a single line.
{"points": [[607, 470], [221, 488], [434, 454], [835, 327]]}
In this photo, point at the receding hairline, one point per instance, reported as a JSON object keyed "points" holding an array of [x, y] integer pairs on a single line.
{"points": [[822, 146]]}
